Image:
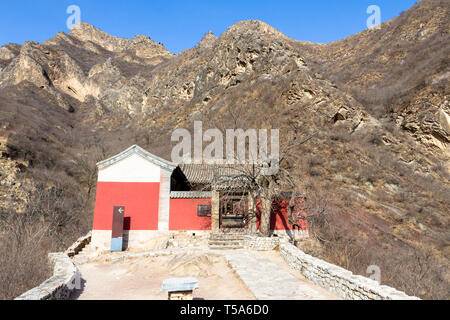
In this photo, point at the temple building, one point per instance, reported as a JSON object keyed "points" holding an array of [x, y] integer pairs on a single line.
{"points": [[159, 197]]}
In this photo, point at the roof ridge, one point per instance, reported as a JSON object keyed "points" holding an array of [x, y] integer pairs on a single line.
{"points": [[135, 149]]}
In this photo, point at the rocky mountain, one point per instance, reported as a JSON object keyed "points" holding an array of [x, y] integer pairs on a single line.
{"points": [[399, 72], [376, 105]]}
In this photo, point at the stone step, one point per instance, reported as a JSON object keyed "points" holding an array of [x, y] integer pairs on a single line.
{"points": [[225, 243], [84, 255], [226, 237], [87, 251], [213, 247], [224, 240]]}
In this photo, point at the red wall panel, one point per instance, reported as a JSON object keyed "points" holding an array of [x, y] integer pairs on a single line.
{"points": [[183, 215], [141, 202], [279, 219]]}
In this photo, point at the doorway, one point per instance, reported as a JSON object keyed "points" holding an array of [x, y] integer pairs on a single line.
{"points": [[233, 211]]}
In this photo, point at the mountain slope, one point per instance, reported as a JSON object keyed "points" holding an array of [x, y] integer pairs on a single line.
{"points": [[378, 161], [399, 72]]}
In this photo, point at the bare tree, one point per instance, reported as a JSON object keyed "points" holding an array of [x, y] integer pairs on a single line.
{"points": [[263, 188]]}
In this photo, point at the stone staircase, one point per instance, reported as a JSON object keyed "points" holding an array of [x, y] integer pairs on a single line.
{"points": [[225, 241], [84, 255]]}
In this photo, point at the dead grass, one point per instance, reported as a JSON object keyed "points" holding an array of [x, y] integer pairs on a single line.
{"points": [[351, 238], [50, 223], [24, 262]]}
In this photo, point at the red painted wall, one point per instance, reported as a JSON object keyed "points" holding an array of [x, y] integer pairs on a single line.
{"points": [[279, 219], [141, 202], [184, 217]]}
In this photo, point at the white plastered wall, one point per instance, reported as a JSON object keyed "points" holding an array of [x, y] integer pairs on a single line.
{"points": [[131, 169]]}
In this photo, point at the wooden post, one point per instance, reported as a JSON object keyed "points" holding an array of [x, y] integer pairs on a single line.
{"points": [[215, 219], [117, 229]]}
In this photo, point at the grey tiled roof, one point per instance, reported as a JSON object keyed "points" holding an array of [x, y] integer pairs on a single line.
{"points": [[190, 195], [212, 173]]}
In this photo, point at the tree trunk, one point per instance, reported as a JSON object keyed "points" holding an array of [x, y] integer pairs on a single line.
{"points": [[252, 213], [266, 208]]}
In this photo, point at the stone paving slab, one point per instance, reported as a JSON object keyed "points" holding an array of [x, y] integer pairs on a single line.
{"points": [[268, 281]]}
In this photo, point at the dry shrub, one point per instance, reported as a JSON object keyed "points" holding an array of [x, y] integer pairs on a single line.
{"points": [[418, 272], [23, 257], [341, 237], [51, 222]]}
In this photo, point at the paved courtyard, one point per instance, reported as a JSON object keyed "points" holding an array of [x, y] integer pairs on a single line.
{"points": [[222, 274]]}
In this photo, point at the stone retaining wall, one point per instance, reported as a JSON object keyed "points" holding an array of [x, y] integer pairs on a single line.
{"points": [[66, 278], [336, 279], [261, 244], [188, 239]]}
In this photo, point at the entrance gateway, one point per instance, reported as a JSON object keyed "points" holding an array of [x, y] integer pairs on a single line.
{"points": [[233, 211]]}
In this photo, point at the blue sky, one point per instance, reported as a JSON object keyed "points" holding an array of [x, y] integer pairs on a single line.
{"points": [[180, 25]]}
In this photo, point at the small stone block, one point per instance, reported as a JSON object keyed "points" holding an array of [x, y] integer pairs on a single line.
{"points": [[179, 284], [181, 295]]}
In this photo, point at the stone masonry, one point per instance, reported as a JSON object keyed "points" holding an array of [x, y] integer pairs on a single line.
{"points": [[260, 243], [60, 286], [336, 279], [66, 276]]}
